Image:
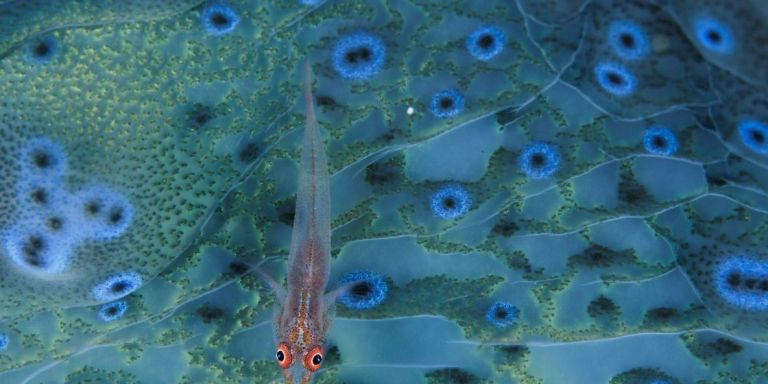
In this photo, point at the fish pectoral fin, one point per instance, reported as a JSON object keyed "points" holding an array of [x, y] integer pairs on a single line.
{"points": [[330, 297], [277, 289]]}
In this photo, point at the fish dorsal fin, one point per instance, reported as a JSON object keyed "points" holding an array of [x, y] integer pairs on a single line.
{"points": [[311, 225]]}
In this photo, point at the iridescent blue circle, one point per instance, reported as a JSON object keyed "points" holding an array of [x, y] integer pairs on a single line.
{"points": [[714, 35], [615, 78], [34, 250], [366, 290], [4, 341], [116, 286], [501, 314], [628, 39], [219, 19], [660, 141], [539, 160], [358, 56], [113, 311], [450, 201], [447, 103], [743, 282], [754, 135], [42, 49], [486, 42]]}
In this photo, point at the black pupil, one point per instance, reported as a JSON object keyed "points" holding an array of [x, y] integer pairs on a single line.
{"points": [[734, 279], [659, 142], [42, 49], [360, 54], [280, 356], [538, 159], [39, 196], [32, 248], [119, 286], [446, 103], [116, 215], [714, 36], [615, 78], [501, 313], [758, 137], [92, 207], [361, 289], [54, 223], [111, 311], [627, 40], [317, 359], [485, 41], [42, 160], [449, 202], [219, 19]]}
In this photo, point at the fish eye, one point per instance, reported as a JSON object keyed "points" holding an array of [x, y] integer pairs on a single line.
{"points": [[314, 358], [283, 356]]}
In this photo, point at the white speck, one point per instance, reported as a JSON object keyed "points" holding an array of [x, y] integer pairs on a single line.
{"points": [[410, 111]]}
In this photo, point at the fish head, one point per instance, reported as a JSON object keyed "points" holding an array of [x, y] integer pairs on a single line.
{"points": [[300, 352]]}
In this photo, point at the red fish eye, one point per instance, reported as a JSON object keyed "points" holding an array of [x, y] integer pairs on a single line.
{"points": [[283, 356], [314, 358]]}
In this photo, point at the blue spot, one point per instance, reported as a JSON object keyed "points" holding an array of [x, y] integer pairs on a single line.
{"points": [[3, 341], [501, 314], [309, 2], [486, 42], [743, 282], [714, 35], [615, 79], [754, 134], [660, 141], [450, 202], [103, 212], [447, 103], [113, 311], [629, 40], [367, 290], [42, 50], [358, 56], [219, 19], [41, 157], [35, 251], [116, 287], [539, 160]]}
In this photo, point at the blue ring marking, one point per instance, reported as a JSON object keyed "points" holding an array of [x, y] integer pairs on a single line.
{"points": [[660, 140], [219, 19], [754, 135], [450, 202], [486, 42], [501, 314], [116, 286], [714, 35], [539, 160], [615, 79], [113, 311], [375, 290], [358, 56], [628, 39]]}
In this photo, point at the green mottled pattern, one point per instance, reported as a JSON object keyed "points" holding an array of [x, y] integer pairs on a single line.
{"points": [[609, 262]]}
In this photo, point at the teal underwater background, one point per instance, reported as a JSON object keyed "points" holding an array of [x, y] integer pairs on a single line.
{"points": [[589, 205]]}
